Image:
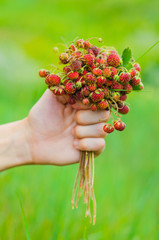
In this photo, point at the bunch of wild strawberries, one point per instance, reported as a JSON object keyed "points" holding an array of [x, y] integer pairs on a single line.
{"points": [[99, 77]]}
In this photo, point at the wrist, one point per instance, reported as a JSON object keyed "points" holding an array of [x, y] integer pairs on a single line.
{"points": [[14, 147]]}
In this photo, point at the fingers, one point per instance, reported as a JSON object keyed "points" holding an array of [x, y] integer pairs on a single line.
{"points": [[87, 117], [90, 144], [90, 131], [79, 106]]}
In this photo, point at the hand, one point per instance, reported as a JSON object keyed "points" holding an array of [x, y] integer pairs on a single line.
{"points": [[56, 131]]}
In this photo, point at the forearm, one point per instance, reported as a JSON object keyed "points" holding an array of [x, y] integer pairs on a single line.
{"points": [[14, 149]]}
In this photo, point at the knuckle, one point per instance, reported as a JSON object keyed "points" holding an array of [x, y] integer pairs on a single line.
{"points": [[77, 131], [84, 144], [78, 117], [100, 143]]}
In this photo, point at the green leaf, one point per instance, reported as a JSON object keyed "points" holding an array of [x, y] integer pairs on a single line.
{"points": [[126, 56]]}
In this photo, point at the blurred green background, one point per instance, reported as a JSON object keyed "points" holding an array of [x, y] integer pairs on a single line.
{"points": [[127, 173]]}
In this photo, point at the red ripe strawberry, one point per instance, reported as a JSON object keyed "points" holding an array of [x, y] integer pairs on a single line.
{"points": [[114, 71], [66, 69], [128, 88], [79, 96], [85, 91], [57, 90], [73, 75], [98, 61], [76, 65], [108, 128], [100, 81], [123, 97], [133, 73], [53, 79], [137, 67], [107, 72], [103, 104], [92, 87], [97, 95], [93, 66], [139, 87], [108, 83], [106, 92], [97, 71], [125, 77], [113, 60], [116, 86], [86, 101], [120, 126], [79, 43], [64, 58], [135, 81], [43, 73], [124, 110], [70, 88], [76, 54], [66, 81], [95, 50], [71, 100], [72, 47], [84, 72], [86, 44], [93, 107], [88, 59], [90, 78]]}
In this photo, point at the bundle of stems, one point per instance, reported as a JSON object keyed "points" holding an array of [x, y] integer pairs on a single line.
{"points": [[84, 184]]}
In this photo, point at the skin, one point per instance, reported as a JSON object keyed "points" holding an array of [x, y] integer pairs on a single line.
{"points": [[53, 133]]}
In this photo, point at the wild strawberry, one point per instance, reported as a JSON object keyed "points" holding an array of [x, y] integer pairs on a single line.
{"points": [[113, 60], [100, 81], [70, 88], [133, 72], [120, 126], [103, 104], [98, 61], [92, 87], [108, 83], [93, 107], [64, 58], [123, 97], [66, 81], [106, 92], [135, 81], [71, 100], [79, 43], [113, 71], [125, 77], [95, 50], [73, 75], [72, 47], [79, 96], [116, 86], [86, 101], [116, 96], [90, 78], [53, 79], [108, 128], [57, 90], [124, 110], [85, 91], [88, 59], [97, 95], [139, 87], [137, 67], [75, 65], [76, 54], [84, 72], [86, 44], [66, 69], [128, 88], [43, 73], [97, 71], [107, 72]]}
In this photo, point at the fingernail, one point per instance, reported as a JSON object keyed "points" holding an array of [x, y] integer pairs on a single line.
{"points": [[75, 143]]}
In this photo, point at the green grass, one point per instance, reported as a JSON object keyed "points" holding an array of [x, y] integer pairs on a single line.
{"points": [[126, 174]]}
